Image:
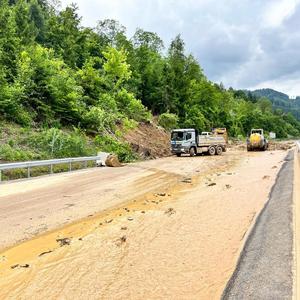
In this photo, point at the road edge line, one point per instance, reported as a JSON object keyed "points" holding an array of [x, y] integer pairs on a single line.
{"points": [[296, 217]]}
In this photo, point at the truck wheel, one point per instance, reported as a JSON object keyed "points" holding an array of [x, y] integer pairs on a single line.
{"points": [[212, 150], [219, 150], [178, 154], [192, 151]]}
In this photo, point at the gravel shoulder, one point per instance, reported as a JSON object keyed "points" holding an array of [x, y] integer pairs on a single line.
{"points": [[265, 268]]}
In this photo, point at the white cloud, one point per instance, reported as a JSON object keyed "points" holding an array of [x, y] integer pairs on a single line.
{"points": [[278, 11], [244, 44]]}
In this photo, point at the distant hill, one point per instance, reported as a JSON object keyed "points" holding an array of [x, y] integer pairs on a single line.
{"points": [[280, 101]]}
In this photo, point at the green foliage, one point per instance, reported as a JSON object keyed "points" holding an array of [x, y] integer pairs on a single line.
{"points": [[56, 73], [168, 121], [109, 144], [55, 143], [12, 153], [49, 91], [280, 101], [97, 120], [116, 68], [132, 107]]}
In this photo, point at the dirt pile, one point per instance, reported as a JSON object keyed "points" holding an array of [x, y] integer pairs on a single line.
{"points": [[149, 141], [236, 145], [280, 145], [112, 161], [273, 145]]}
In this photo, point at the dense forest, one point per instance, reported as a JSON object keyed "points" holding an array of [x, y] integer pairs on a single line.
{"points": [[280, 101], [56, 74]]}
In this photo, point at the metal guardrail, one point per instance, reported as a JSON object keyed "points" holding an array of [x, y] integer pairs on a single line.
{"points": [[51, 162]]}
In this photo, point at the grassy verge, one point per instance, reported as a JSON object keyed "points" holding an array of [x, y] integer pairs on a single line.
{"points": [[22, 144]]}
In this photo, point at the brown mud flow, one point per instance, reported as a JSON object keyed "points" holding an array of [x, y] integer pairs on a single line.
{"points": [[178, 240]]}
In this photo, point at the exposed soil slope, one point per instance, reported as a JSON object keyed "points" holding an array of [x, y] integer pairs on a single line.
{"points": [[149, 140]]}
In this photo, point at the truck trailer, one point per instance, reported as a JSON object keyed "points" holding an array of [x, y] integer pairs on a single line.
{"points": [[189, 141]]}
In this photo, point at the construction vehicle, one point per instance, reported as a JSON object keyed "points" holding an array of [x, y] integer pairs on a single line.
{"points": [[189, 141], [222, 132], [257, 140]]}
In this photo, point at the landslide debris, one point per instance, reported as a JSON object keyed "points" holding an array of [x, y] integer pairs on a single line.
{"points": [[149, 140], [273, 145], [170, 211], [113, 161], [20, 266], [280, 145], [46, 252], [64, 241]]}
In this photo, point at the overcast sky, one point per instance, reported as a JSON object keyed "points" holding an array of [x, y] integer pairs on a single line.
{"points": [[242, 43]]}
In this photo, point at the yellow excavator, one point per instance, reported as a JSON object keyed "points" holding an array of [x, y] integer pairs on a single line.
{"points": [[257, 140], [221, 132]]}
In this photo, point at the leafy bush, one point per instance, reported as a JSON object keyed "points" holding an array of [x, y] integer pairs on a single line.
{"points": [[131, 107], [54, 143], [129, 124], [9, 153], [97, 120], [109, 144], [168, 121], [194, 118]]}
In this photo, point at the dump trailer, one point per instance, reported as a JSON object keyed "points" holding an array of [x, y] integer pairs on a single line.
{"points": [[189, 141], [257, 140], [221, 132]]}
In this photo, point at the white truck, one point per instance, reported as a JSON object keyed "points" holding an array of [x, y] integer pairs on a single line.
{"points": [[188, 141]]}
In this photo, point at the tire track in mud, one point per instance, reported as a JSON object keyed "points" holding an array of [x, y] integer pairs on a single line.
{"points": [[169, 182]]}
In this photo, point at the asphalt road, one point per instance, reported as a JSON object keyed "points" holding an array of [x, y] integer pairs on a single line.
{"points": [[265, 267], [31, 207]]}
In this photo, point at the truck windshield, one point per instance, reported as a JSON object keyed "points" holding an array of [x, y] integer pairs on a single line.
{"points": [[177, 136], [256, 131]]}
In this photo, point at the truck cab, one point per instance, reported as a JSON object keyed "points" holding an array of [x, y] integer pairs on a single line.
{"points": [[188, 141], [257, 131], [183, 140]]}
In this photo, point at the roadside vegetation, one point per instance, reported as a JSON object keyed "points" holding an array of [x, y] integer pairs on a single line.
{"points": [[67, 90]]}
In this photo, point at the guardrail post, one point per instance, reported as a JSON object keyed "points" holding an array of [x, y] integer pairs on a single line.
{"points": [[85, 164], [51, 169], [0, 175], [28, 172], [70, 166]]}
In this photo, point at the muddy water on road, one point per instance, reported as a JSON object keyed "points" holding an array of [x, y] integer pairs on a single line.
{"points": [[180, 241]]}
